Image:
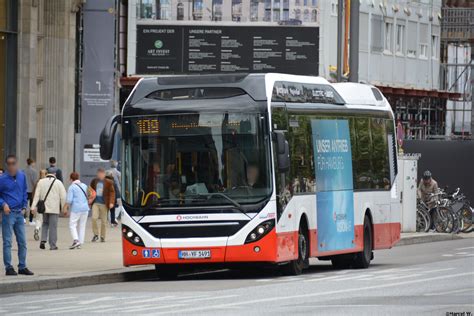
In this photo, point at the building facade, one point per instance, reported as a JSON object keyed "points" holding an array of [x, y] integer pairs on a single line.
{"points": [[38, 59]]}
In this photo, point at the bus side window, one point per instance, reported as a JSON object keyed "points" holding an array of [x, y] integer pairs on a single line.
{"points": [[381, 168], [363, 155], [302, 176], [282, 185]]}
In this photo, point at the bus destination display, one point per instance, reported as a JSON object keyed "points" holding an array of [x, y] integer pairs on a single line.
{"points": [[210, 49]]}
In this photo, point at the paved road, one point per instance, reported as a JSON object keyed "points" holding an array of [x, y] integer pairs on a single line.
{"points": [[430, 278]]}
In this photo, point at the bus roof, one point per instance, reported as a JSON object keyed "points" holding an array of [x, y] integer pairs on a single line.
{"points": [[361, 94]]}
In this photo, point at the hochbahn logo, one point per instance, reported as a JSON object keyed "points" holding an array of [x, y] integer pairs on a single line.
{"points": [[191, 217]]}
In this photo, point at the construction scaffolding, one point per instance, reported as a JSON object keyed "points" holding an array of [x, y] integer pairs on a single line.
{"points": [[457, 54]]}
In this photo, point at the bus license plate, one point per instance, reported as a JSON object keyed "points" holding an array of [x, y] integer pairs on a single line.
{"points": [[194, 254]]}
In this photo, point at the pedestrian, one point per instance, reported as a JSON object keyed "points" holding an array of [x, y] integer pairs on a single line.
{"points": [[77, 204], [13, 201], [53, 194], [113, 220], [31, 179], [38, 216], [116, 174], [53, 169], [104, 200]]}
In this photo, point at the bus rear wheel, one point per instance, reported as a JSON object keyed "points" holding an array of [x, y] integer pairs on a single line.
{"points": [[166, 272], [295, 267], [360, 260]]}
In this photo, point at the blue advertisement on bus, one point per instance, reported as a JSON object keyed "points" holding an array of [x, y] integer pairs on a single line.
{"points": [[334, 186]]}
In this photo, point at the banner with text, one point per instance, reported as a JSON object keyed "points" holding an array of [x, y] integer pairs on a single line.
{"points": [[334, 186], [172, 49]]}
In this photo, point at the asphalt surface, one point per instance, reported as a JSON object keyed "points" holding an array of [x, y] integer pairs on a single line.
{"points": [[435, 278]]}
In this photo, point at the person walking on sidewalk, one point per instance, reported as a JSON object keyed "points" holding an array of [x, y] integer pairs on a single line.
{"points": [[13, 202], [105, 200], [53, 169], [113, 219], [77, 204], [31, 178], [53, 194], [38, 216]]}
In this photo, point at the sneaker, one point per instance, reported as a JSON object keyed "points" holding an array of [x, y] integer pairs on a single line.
{"points": [[79, 246], [42, 245], [36, 235], [102, 239], [75, 244], [95, 238], [10, 271], [32, 223], [54, 248], [25, 271], [24, 221]]}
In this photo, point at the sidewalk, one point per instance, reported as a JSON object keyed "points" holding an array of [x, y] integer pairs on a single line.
{"points": [[99, 262]]}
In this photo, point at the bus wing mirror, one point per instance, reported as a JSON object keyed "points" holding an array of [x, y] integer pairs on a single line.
{"points": [[107, 137], [283, 151]]}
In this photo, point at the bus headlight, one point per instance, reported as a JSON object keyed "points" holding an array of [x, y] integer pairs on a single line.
{"points": [[260, 231], [131, 236]]}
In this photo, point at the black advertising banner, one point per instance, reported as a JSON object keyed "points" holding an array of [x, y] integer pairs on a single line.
{"points": [[210, 49]]}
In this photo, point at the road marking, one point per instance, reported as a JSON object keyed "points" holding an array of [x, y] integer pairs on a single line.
{"points": [[211, 298], [59, 310], [100, 299], [462, 253], [448, 255], [157, 307], [264, 280], [397, 277], [131, 304], [319, 294], [449, 292], [42, 301], [464, 248]]}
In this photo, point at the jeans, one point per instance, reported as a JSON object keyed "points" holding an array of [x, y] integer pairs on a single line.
{"points": [[13, 223], [112, 216]]}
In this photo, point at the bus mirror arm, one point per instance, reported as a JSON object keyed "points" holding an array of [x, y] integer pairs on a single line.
{"points": [[107, 137], [283, 151]]}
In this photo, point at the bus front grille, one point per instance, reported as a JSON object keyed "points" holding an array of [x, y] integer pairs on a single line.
{"points": [[194, 229]]}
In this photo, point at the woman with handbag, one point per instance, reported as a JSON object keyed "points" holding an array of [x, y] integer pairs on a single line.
{"points": [[49, 199], [77, 203]]}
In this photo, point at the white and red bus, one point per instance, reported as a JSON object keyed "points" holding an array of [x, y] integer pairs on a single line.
{"points": [[257, 168]]}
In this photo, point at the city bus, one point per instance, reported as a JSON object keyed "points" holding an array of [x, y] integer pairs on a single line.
{"points": [[257, 169]]}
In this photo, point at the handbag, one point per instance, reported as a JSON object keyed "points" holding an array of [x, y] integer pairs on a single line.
{"points": [[40, 206]]}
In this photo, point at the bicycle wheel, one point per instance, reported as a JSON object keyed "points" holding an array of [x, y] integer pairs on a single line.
{"points": [[422, 222], [443, 220], [466, 218]]}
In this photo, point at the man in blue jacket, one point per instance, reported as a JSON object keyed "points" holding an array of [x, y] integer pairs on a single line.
{"points": [[13, 202]]}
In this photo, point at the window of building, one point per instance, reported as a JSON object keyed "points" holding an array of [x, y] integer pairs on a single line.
{"points": [[423, 51], [276, 4], [314, 15], [388, 37], [180, 11], [286, 4], [314, 3], [411, 39], [298, 14], [217, 10], [197, 10], [163, 10], [268, 15], [276, 16], [297, 2], [364, 36], [236, 10], [305, 2], [254, 10], [376, 33], [334, 8], [434, 46], [285, 15], [146, 9], [306, 15], [400, 39]]}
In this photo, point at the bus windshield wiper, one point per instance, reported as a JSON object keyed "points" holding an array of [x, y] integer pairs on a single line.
{"points": [[232, 201]]}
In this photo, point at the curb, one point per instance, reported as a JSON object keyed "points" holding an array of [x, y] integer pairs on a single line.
{"points": [[411, 240], [74, 281]]}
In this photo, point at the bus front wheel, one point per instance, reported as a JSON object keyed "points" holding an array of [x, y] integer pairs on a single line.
{"points": [[166, 272], [295, 267]]}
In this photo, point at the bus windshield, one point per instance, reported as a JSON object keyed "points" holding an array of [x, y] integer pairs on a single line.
{"points": [[196, 159]]}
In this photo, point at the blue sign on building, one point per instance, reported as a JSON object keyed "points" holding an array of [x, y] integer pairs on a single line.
{"points": [[334, 186]]}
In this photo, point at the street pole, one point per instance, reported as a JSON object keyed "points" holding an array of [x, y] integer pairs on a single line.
{"points": [[340, 30], [354, 42]]}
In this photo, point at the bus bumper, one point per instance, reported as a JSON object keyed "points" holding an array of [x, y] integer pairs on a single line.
{"points": [[263, 250]]}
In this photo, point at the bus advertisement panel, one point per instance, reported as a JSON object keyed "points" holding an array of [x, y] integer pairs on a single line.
{"points": [[334, 188]]}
